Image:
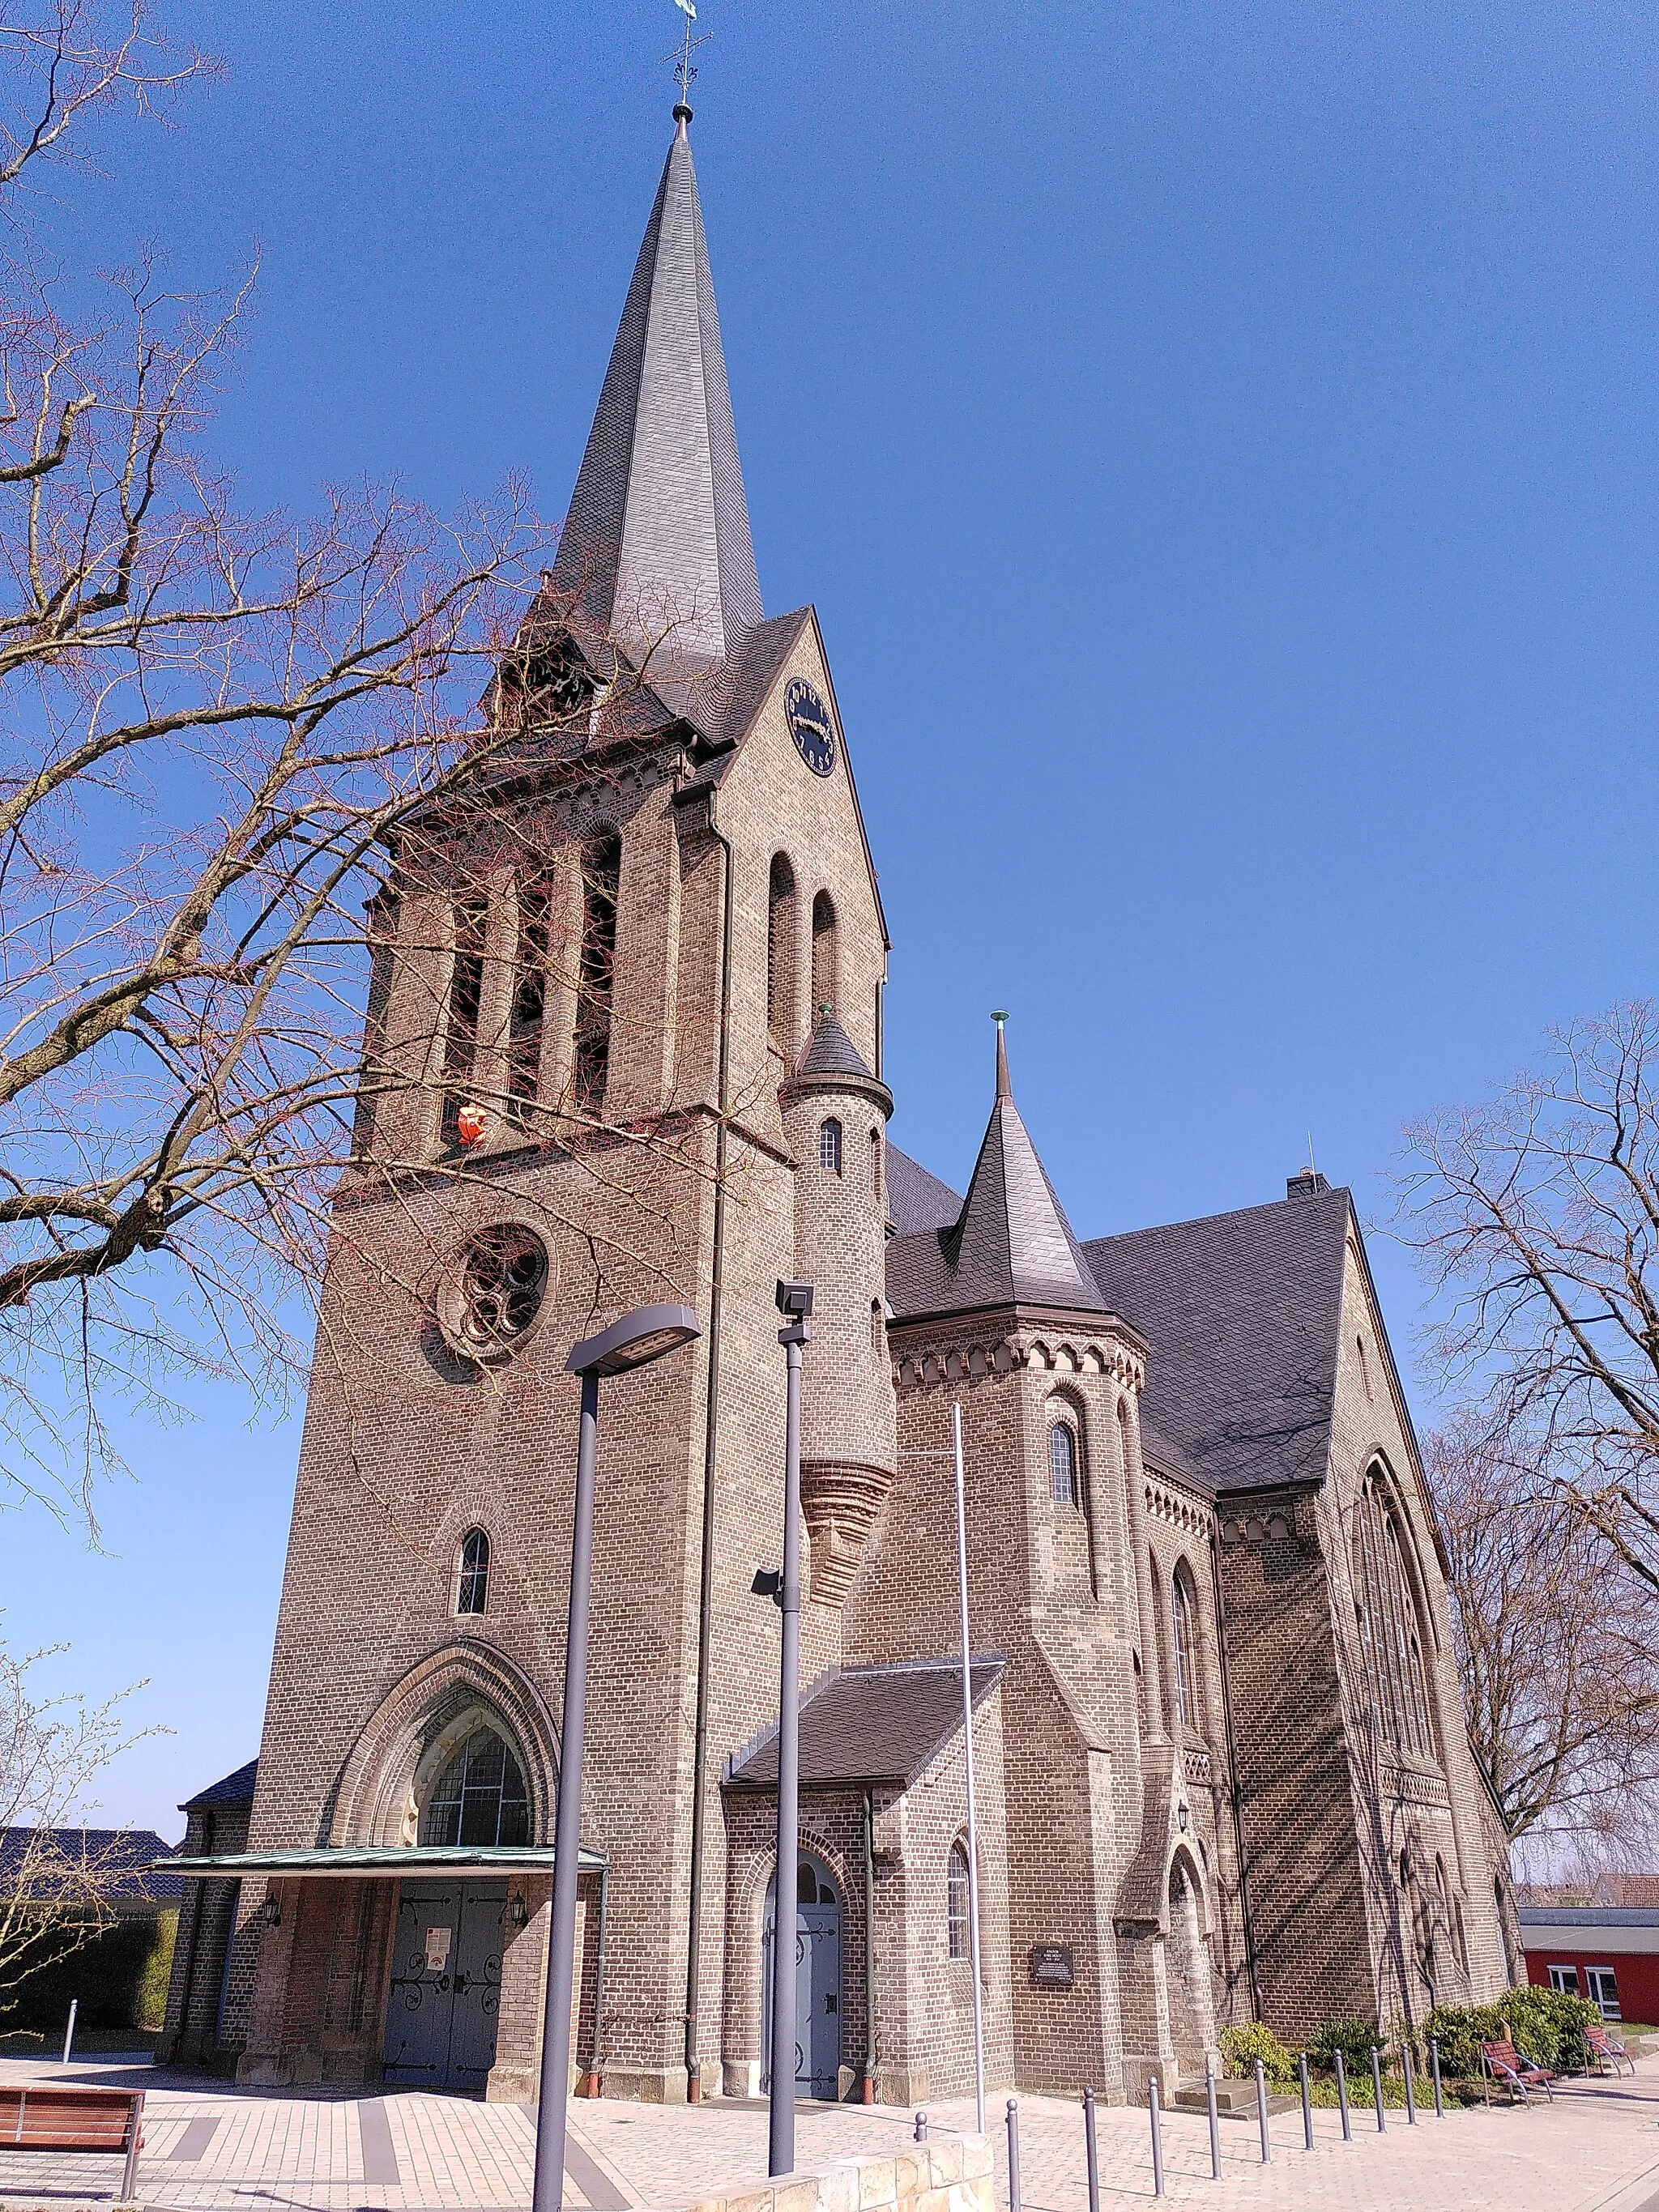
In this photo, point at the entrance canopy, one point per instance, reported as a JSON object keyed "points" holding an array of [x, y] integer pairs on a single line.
{"points": [[465, 1862]]}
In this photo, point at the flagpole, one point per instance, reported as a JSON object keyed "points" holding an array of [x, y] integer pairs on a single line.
{"points": [[968, 1749]]}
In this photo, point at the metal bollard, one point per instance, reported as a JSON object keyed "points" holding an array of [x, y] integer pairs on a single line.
{"points": [[1261, 2113], [921, 2127], [1089, 2145], [1307, 2103], [1157, 2138], [1014, 2196], [1215, 2124], [1342, 2098], [1376, 2088], [1434, 2061], [69, 2033], [1411, 2081]]}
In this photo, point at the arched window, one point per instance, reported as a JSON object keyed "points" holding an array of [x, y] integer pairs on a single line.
{"points": [[472, 1590], [1062, 1465], [466, 996], [1182, 1623], [524, 1040], [877, 1328], [781, 954], [824, 956], [479, 1798], [875, 1165], [1390, 1633], [601, 862], [830, 1147], [955, 1899]]}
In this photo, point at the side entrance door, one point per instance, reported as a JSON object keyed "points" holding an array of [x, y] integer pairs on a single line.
{"points": [[817, 1985], [446, 1985]]}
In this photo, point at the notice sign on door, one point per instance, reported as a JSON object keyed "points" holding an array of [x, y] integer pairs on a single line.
{"points": [[437, 1950]]}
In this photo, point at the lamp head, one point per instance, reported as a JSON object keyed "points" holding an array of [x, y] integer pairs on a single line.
{"points": [[635, 1341], [795, 1300]]}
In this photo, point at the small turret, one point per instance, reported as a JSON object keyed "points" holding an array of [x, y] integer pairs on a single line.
{"points": [[835, 1119]]}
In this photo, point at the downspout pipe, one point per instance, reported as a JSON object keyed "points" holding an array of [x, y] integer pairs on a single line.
{"points": [[869, 1947], [711, 1437]]}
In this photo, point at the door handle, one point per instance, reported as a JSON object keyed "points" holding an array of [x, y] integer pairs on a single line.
{"points": [[463, 1983]]}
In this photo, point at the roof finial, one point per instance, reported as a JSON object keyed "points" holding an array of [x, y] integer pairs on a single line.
{"points": [[1003, 1090], [684, 72]]}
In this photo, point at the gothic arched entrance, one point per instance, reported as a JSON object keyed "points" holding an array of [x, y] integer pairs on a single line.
{"points": [[818, 1981], [445, 1997], [1192, 1998]]}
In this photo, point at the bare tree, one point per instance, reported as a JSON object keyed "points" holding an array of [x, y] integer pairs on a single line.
{"points": [[58, 1879], [226, 736], [1537, 1217], [1559, 1648]]}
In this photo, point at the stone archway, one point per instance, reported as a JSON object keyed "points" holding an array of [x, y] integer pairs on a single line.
{"points": [[1186, 1959], [416, 1729]]}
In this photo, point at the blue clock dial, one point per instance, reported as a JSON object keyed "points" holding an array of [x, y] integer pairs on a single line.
{"points": [[810, 726]]}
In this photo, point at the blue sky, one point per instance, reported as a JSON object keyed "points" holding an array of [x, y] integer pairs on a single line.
{"points": [[1219, 441]]}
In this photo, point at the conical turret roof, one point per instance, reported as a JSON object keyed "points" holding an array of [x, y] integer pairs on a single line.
{"points": [[657, 541], [1011, 1244]]}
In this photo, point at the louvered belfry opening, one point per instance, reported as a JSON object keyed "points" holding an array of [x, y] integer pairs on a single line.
{"points": [[601, 881], [524, 1039], [466, 996]]}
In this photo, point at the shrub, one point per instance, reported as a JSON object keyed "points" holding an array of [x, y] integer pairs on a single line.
{"points": [[1353, 2038], [1545, 2025], [1241, 2046], [108, 1975]]}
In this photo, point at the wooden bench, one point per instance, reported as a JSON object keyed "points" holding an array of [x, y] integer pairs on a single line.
{"points": [[62, 2116]]}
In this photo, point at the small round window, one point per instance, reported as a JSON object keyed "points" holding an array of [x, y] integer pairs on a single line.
{"points": [[494, 1292]]}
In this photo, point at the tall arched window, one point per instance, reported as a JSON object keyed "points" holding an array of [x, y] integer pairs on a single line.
{"points": [[1182, 1623], [479, 1798], [1391, 1633], [955, 1899], [781, 954], [466, 996], [524, 1040], [601, 862], [472, 1586], [830, 1147], [1062, 1465], [824, 956]]}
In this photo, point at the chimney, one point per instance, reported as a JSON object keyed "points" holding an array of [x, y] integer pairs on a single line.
{"points": [[1308, 1184]]}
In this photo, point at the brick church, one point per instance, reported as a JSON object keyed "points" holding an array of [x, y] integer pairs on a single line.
{"points": [[623, 1044]]}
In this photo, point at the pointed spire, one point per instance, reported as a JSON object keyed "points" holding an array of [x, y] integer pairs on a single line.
{"points": [[1012, 1243], [657, 539]]}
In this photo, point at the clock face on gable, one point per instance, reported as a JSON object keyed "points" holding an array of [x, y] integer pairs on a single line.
{"points": [[810, 726]]}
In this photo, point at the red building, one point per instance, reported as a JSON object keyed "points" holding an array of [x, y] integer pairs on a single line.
{"points": [[1606, 1952]]}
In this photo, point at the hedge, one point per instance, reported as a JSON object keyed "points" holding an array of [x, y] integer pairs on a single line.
{"points": [[120, 1978]]}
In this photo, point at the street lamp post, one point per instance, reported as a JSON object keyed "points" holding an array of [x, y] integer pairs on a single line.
{"points": [[795, 1304], [638, 1338]]}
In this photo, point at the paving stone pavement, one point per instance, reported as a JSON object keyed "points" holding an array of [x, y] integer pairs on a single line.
{"points": [[1596, 2149]]}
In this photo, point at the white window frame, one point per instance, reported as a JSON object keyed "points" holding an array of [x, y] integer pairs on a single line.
{"points": [[1594, 1975]]}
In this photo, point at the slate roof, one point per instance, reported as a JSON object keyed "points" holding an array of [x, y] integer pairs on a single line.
{"points": [[830, 1051], [235, 1788], [1011, 1244], [659, 527], [915, 1199], [870, 1724], [126, 1852], [1242, 1313]]}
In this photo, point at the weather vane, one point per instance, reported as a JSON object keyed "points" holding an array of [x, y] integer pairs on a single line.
{"points": [[684, 72]]}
